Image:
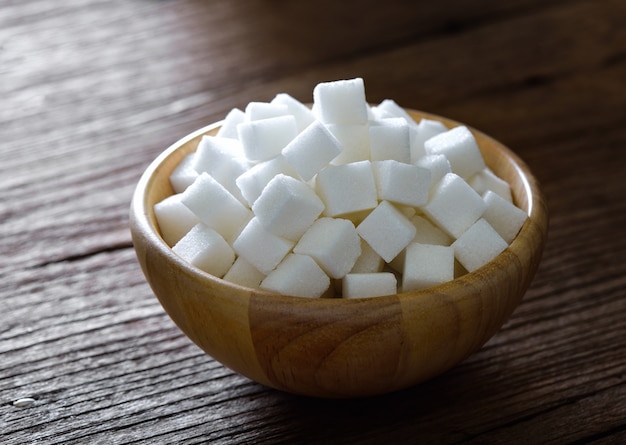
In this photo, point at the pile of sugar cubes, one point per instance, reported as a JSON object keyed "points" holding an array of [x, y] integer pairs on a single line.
{"points": [[341, 199]]}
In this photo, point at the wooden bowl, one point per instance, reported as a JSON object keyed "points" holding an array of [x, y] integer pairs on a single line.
{"points": [[333, 347]]}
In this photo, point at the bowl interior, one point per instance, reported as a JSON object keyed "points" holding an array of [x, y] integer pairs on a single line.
{"points": [[332, 347]]}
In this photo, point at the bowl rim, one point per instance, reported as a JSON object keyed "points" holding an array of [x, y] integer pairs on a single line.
{"points": [[143, 220]]}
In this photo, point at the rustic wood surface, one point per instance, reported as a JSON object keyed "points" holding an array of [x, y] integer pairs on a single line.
{"points": [[91, 91]]}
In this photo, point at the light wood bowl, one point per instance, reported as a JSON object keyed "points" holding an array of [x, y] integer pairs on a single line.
{"points": [[333, 347]]}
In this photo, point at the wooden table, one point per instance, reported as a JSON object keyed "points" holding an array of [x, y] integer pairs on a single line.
{"points": [[91, 91]]}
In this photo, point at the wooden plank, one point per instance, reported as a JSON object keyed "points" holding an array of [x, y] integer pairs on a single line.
{"points": [[82, 116]]}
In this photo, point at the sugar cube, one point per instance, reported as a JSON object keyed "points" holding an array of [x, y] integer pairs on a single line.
{"points": [[244, 274], [303, 115], [486, 180], [389, 139], [438, 166], [406, 210], [341, 102], [215, 153], [427, 265], [287, 207], [262, 249], [478, 245], [454, 206], [263, 139], [368, 261], [333, 243], [252, 182], [223, 159], [228, 129], [174, 218], [347, 188], [504, 217], [386, 230], [401, 183], [461, 149], [215, 206], [183, 174], [297, 275], [426, 129], [390, 108], [425, 233], [354, 140], [264, 110], [311, 150], [366, 285], [428, 233], [206, 249]]}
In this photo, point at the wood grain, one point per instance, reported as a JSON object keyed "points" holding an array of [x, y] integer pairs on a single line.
{"points": [[92, 91]]}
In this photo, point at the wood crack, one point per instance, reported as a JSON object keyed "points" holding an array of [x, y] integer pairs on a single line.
{"points": [[84, 255]]}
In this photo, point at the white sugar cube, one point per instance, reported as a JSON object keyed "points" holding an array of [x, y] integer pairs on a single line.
{"points": [[371, 117], [215, 206], [386, 230], [297, 275], [461, 149], [427, 265], [244, 274], [376, 113], [230, 122], [389, 139], [478, 245], [303, 115], [174, 218], [426, 129], [486, 180], [183, 174], [341, 102], [369, 261], [333, 243], [366, 285], [347, 188], [438, 166], [263, 139], [354, 140], [223, 159], [425, 233], [312, 150], [406, 210], [401, 183], [252, 182], [504, 217], [264, 110], [389, 108], [214, 153], [454, 206], [428, 233], [262, 249], [287, 207], [206, 249]]}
